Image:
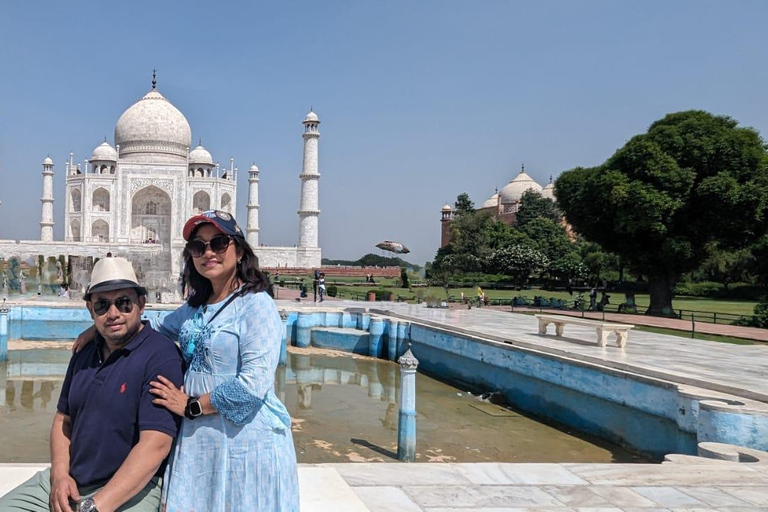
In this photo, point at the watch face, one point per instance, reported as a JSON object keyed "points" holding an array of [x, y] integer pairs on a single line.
{"points": [[195, 409]]}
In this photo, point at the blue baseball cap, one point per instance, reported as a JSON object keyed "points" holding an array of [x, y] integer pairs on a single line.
{"points": [[223, 221]]}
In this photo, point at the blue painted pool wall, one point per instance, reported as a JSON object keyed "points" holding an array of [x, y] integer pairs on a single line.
{"points": [[346, 342]]}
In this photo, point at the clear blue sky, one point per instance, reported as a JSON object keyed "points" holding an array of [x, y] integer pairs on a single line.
{"points": [[419, 100]]}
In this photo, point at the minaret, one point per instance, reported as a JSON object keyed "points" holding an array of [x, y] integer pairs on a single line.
{"points": [[309, 212], [252, 228], [46, 220]]}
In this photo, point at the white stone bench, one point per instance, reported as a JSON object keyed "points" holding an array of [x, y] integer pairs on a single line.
{"points": [[603, 328]]}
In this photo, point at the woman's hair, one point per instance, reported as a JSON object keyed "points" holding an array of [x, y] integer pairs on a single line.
{"points": [[247, 270]]}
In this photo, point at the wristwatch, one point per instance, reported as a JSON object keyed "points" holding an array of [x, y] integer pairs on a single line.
{"points": [[87, 505], [193, 408]]}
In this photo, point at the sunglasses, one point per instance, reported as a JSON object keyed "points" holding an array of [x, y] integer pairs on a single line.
{"points": [[123, 305], [218, 244]]}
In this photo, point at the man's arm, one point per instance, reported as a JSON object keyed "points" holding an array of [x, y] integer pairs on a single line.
{"points": [[136, 471], [63, 486]]}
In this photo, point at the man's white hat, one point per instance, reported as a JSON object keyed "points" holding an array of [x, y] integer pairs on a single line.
{"points": [[113, 274]]}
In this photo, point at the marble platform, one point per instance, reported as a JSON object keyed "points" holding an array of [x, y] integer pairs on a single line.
{"points": [[492, 487]]}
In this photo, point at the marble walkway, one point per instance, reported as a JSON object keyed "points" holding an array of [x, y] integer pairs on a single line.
{"points": [[491, 487]]}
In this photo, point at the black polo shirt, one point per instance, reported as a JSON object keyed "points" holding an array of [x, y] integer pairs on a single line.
{"points": [[109, 404]]}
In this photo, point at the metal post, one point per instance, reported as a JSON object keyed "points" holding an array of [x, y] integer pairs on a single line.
{"points": [[3, 332], [693, 325], [406, 425]]}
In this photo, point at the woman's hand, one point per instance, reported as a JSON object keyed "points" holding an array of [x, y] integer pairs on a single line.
{"points": [[169, 396], [84, 338]]}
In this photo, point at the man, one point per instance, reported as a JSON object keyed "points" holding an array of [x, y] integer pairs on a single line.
{"points": [[108, 441]]}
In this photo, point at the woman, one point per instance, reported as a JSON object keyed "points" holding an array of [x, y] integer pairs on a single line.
{"points": [[235, 448]]}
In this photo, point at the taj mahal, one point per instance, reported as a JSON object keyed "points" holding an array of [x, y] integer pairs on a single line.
{"points": [[132, 198]]}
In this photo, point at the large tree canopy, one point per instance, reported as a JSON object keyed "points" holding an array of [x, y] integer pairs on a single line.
{"points": [[692, 179]]}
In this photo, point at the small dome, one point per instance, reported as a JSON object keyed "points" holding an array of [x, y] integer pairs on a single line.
{"points": [[104, 152], [447, 208], [200, 155], [491, 202], [549, 191], [514, 190], [47, 161], [311, 117], [254, 168]]}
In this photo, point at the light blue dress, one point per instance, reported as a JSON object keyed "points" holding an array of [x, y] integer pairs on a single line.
{"points": [[241, 459]]}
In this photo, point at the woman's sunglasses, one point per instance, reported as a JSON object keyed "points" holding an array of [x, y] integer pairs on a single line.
{"points": [[123, 305], [218, 244]]}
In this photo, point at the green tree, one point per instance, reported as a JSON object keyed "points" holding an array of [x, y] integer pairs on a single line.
{"points": [[463, 204], [518, 262], [535, 206], [691, 179], [724, 266], [469, 234], [547, 236]]}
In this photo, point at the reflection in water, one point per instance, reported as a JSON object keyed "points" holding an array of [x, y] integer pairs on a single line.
{"points": [[344, 408]]}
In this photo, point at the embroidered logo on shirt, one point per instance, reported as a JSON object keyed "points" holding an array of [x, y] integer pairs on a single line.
{"points": [[122, 388]]}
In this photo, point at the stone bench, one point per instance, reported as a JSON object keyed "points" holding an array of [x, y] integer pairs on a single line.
{"points": [[603, 328]]}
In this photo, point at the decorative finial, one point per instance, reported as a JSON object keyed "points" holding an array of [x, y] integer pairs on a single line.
{"points": [[105, 138], [408, 361], [550, 178], [154, 79], [522, 169], [311, 108], [200, 141]]}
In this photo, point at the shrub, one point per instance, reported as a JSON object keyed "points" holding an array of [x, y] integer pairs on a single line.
{"points": [[702, 289], [331, 290]]}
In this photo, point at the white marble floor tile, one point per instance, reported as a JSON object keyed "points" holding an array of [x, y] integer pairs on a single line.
{"points": [[386, 499], [399, 475], [714, 497], [666, 474], [323, 487], [622, 497], [669, 497], [521, 474], [752, 495], [487, 496]]}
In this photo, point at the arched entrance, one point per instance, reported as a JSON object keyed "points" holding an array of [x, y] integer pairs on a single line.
{"points": [[151, 224]]}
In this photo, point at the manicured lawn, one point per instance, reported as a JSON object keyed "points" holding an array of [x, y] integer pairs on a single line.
{"points": [[732, 307]]}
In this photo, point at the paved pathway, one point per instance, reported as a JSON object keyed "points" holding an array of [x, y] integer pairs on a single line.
{"points": [[491, 487]]}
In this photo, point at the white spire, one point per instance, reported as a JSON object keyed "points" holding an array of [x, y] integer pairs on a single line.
{"points": [[46, 218], [309, 211], [252, 228]]}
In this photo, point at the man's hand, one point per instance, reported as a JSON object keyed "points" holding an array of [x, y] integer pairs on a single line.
{"points": [[84, 338], [63, 491]]}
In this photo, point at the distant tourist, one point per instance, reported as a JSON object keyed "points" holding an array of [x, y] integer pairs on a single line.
{"points": [[64, 291], [108, 441], [321, 287], [235, 448]]}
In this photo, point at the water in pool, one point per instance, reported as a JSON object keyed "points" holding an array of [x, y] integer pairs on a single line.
{"points": [[344, 408]]}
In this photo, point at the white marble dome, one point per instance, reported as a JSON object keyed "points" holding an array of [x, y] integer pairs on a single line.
{"points": [[153, 126], [200, 155], [47, 161], [446, 208], [491, 202], [104, 152], [311, 117], [548, 191], [514, 190]]}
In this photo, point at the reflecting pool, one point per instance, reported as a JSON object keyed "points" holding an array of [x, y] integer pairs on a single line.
{"points": [[344, 409]]}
